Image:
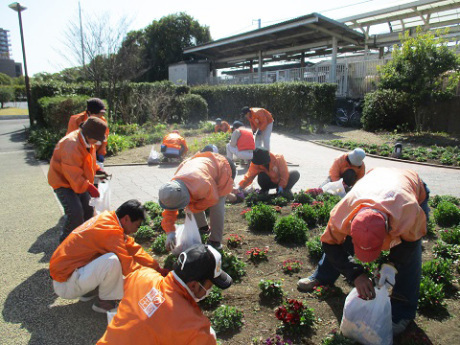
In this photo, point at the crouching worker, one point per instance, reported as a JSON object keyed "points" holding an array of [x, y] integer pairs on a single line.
{"points": [[222, 126], [174, 145], [349, 167], [72, 170], [386, 210], [242, 142], [271, 171], [164, 311], [201, 182], [98, 254]]}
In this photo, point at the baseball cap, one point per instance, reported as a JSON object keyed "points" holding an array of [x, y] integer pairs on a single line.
{"points": [[356, 156], [94, 128], [261, 156], [174, 195], [201, 262], [95, 106], [368, 231], [237, 124]]}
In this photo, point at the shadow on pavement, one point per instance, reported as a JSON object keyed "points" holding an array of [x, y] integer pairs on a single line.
{"points": [[31, 305], [47, 242], [18, 136]]}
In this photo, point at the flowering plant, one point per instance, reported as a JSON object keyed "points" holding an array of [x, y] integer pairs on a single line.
{"points": [[246, 210], [275, 340], [314, 191], [317, 203], [323, 292], [234, 241], [257, 255], [294, 205], [295, 316], [291, 266], [277, 208], [271, 289]]}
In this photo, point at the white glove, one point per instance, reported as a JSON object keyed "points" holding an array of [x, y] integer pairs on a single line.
{"points": [[170, 240], [387, 275]]}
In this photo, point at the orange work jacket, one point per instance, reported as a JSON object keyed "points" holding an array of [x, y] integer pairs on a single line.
{"points": [[175, 141], [396, 192], [76, 120], [157, 311], [72, 165], [341, 165], [223, 127], [208, 176], [246, 140], [99, 235], [259, 118], [277, 171]]}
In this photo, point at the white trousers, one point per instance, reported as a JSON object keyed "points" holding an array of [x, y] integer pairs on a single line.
{"points": [[103, 272], [264, 137], [233, 150]]}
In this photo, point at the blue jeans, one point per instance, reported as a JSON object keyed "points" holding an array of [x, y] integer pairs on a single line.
{"points": [[407, 281]]}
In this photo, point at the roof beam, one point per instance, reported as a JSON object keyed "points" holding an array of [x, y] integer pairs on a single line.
{"points": [[332, 33]]}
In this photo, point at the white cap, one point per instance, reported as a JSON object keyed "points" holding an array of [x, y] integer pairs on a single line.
{"points": [[356, 156]]}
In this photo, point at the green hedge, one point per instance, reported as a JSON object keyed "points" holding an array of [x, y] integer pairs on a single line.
{"points": [[290, 103], [56, 111]]}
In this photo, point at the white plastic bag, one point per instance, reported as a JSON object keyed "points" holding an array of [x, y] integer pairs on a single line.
{"points": [[334, 188], [368, 322], [187, 234], [102, 203], [154, 157]]}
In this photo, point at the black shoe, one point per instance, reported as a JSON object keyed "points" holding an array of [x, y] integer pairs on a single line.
{"points": [[216, 245]]}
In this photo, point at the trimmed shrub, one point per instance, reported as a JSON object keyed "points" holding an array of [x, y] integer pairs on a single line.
{"points": [[195, 109], [438, 270], [153, 209], [158, 245], [303, 197], [226, 318], [291, 229], [213, 300], [447, 214], [6, 94], [56, 111], [451, 236], [434, 201], [144, 233], [446, 251], [307, 213], [261, 218], [431, 297]]}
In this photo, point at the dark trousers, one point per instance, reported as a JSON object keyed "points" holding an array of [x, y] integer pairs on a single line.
{"points": [[76, 209], [266, 184]]}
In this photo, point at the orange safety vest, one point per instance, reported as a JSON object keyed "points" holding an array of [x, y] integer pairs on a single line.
{"points": [[157, 311], [246, 140], [277, 171], [175, 141], [72, 166], [341, 165], [259, 118], [223, 127], [99, 235], [208, 176], [76, 120], [396, 192]]}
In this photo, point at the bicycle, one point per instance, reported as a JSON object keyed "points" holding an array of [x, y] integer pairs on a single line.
{"points": [[345, 119]]}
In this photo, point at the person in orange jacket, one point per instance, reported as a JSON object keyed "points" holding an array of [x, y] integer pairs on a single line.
{"points": [[98, 254], [94, 107], [271, 171], [72, 170], [174, 145], [222, 126], [349, 167], [201, 182], [164, 311], [242, 143], [261, 123], [386, 210]]}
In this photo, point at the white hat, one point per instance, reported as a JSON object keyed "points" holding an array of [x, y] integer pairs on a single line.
{"points": [[356, 156]]}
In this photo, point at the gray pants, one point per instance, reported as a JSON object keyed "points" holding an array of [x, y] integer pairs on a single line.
{"points": [[76, 209], [216, 220]]}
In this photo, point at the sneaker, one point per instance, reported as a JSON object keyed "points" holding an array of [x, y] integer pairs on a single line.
{"points": [[216, 245], [103, 306], [401, 326], [307, 284], [88, 296]]}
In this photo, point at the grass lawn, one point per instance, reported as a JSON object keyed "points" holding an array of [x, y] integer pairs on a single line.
{"points": [[13, 111]]}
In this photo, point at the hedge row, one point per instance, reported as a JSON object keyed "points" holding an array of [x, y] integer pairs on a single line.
{"points": [[290, 103]]}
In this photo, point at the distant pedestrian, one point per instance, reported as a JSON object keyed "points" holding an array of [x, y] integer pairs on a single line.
{"points": [[261, 123], [222, 126]]}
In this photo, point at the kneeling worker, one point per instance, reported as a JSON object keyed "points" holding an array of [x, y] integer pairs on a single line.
{"points": [[98, 254], [242, 142], [201, 182], [174, 145], [349, 167], [222, 126], [164, 311]]}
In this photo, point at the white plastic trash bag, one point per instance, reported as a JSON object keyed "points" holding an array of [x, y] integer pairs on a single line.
{"points": [[102, 203], [368, 322], [187, 234], [335, 188], [154, 157]]}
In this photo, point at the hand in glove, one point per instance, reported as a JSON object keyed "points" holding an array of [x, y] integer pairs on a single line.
{"points": [[100, 158], [170, 240], [387, 275], [92, 190], [280, 190]]}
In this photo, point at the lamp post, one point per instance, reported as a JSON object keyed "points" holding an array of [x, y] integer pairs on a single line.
{"points": [[16, 6]]}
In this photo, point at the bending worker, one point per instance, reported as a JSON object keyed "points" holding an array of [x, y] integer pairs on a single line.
{"points": [[272, 172], [386, 210], [349, 167], [174, 145], [163, 311], [201, 182], [242, 143], [221, 126], [72, 170], [94, 107], [98, 254], [261, 123]]}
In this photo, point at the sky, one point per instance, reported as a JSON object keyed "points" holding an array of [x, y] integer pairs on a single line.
{"points": [[46, 21]]}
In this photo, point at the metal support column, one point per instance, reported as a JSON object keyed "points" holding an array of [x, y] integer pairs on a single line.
{"points": [[259, 69], [332, 73]]}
